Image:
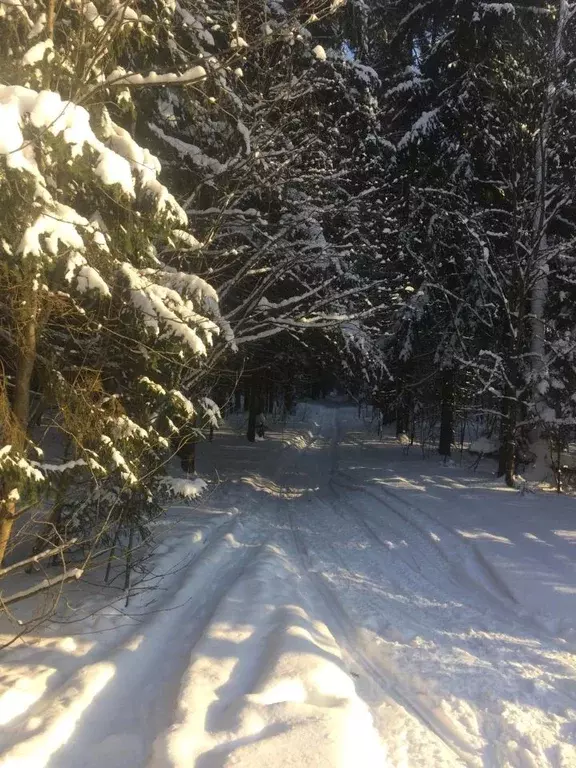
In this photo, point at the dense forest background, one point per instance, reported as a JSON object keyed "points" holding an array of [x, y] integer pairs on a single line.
{"points": [[226, 205]]}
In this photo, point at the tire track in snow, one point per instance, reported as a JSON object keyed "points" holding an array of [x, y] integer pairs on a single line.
{"points": [[502, 728], [342, 627], [489, 578], [438, 572], [437, 562], [126, 667], [123, 634], [481, 579], [470, 583], [495, 584], [486, 577], [435, 568]]}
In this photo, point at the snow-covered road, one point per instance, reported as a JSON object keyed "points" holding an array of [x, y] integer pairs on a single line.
{"points": [[333, 603]]}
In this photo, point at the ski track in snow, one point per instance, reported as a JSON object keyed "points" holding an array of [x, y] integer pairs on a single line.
{"points": [[334, 603]]}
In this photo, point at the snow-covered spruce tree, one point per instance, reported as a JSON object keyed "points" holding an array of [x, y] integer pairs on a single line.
{"points": [[270, 155], [481, 105], [99, 325]]}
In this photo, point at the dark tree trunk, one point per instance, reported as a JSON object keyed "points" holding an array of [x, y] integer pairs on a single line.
{"points": [[187, 449], [288, 399], [507, 437], [253, 410], [187, 454], [237, 400], [403, 409], [447, 412]]}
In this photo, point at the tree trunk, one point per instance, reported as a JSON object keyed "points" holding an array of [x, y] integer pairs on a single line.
{"points": [[7, 517], [187, 454], [506, 458], [17, 429], [253, 410], [539, 293], [447, 412], [187, 450], [538, 298], [288, 398], [402, 411], [237, 400]]}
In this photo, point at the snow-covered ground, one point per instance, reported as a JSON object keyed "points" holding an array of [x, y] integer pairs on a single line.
{"points": [[333, 602]]}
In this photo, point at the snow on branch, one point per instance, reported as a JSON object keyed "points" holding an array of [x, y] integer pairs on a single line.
{"points": [[423, 127], [37, 558], [211, 411], [182, 487], [43, 586], [118, 164], [190, 151], [120, 77], [166, 311], [499, 9]]}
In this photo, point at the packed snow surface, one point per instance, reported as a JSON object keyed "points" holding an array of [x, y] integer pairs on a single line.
{"points": [[335, 601]]}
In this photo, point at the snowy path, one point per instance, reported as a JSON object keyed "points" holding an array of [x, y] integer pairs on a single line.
{"points": [[331, 605]]}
